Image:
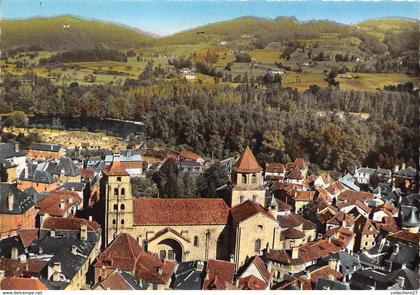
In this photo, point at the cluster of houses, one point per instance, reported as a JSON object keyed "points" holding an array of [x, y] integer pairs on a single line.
{"points": [[73, 223]]}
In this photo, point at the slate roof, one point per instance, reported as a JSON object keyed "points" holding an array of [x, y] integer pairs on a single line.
{"points": [[408, 173], [41, 173], [327, 284], [7, 151], [180, 211], [411, 277], [46, 147], [21, 201], [247, 163], [77, 186], [188, 277], [348, 262]]}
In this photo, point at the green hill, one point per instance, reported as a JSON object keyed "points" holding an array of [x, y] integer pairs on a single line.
{"points": [[251, 27], [67, 32]]}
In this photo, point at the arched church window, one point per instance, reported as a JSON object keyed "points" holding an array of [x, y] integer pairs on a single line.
{"points": [[116, 191], [122, 207], [115, 207], [196, 241], [258, 246], [123, 192], [122, 221]]}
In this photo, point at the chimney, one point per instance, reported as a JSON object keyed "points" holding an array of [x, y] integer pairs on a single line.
{"points": [[26, 173], [400, 281], [344, 223], [72, 188], [62, 172], [1, 274], [22, 258], [397, 168], [52, 233], [90, 218], [200, 265], [14, 253], [74, 250], [70, 200], [17, 149], [160, 271], [10, 200], [295, 253], [83, 232], [403, 166], [57, 271], [141, 283], [61, 204]]}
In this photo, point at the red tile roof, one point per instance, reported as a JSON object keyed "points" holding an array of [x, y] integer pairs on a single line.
{"points": [[115, 281], [115, 169], [152, 269], [362, 225], [274, 168], [325, 272], [340, 217], [291, 220], [247, 163], [51, 204], [17, 283], [252, 283], [219, 270], [166, 230], [340, 236], [404, 235], [180, 211], [282, 206], [27, 236], [122, 253], [295, 174], [31, 267], [87, 172], [70, 223], [247, 209], [305, 196], [300, 163], [350, 196], [292, 233], [189, 155], [132, 165]]}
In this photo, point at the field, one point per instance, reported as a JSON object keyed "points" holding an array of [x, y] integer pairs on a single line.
{"points": [[372, 81], [70, 139]]}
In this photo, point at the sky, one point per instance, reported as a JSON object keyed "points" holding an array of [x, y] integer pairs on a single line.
{"points": [[165, 17]]}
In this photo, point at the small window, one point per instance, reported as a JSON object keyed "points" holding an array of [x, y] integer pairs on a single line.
{"points": [[115, 207], [123, 192], [254, 198], [116, 191], [113, 221], [119, 178], [162, 254], [258, 246], [122, 221], [196, 241], [241, 199], [171, 255], [122, 207]]}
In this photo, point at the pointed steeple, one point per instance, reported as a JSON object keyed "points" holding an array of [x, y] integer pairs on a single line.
{"points": [[247, 163]]}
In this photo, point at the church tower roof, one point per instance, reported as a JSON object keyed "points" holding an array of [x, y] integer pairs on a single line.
{"points": [[247, 163], [115, 169]]}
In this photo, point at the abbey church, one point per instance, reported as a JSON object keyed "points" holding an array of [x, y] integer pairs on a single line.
{"points": [[234, 228]]}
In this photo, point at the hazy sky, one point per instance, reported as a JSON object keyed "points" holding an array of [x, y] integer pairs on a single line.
{"points": [[166, 17]]}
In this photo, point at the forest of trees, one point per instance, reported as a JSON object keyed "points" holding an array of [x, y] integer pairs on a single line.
{"points": [[218, 121], [79, 55]]}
